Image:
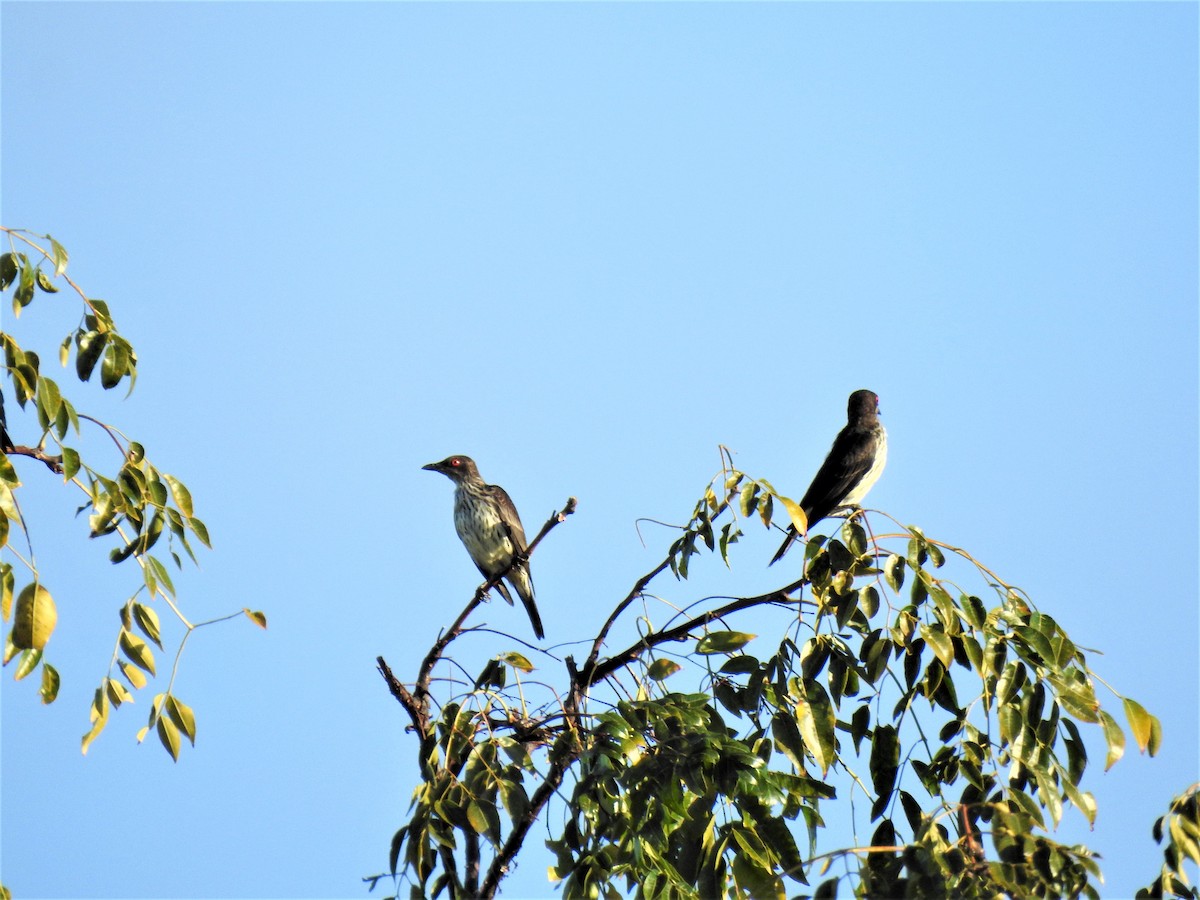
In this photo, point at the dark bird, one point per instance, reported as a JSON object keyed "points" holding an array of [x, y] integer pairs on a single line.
{"points": [[488, 525], [852, 467]]}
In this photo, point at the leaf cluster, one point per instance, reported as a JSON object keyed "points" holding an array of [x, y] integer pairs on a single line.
{"points": [[1180, 827], [953, 717], [137, 504]]}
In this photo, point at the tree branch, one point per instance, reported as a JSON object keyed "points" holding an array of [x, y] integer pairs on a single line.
{"points": [[54, 463], [416, 703], [598, 672]]}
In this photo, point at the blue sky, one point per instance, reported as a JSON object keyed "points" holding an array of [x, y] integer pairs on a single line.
{"points": [[585, 244]]}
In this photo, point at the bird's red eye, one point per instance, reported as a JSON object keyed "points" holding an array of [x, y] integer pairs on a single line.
{"points": [[455, 462]]}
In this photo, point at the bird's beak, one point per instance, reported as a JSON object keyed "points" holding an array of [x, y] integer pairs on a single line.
{"points": [[432, 467]]}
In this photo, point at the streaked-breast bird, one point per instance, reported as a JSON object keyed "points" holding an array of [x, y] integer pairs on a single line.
{"points": [[488, 526]]}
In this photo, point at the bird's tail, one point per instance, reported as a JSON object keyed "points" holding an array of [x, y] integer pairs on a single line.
{"points": [[519, 578], [503, 589], [785, 546]]}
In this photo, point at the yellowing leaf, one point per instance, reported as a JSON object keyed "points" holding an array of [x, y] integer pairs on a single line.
{"points": [[795, 513], [663, 668], [939, 642], [99, 719], [35, 618], [1147, 732], [258, 618], [132, 673], [517, 661]]}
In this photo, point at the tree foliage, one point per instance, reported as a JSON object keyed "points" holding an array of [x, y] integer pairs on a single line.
{"points": [[900, 685], [127, 499]]}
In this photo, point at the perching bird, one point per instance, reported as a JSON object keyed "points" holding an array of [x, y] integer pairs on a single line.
{"points": [[852, 467], [488, 525]]}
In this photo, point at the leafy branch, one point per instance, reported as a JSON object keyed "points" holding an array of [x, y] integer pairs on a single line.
{"points": [[661, 790], [138, 503]]}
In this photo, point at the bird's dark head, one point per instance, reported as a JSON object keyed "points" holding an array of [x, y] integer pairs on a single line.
{"points": [[456, 468], [863, 405]]}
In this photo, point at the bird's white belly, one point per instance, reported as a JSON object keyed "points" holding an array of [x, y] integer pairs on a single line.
{"points": [[860, 490]]}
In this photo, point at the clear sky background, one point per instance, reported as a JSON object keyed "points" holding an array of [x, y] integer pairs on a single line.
{"points": [[585, 244]]}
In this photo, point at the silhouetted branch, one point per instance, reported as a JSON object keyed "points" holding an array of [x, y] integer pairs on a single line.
{"points": [[595, 673], [54, 463]]}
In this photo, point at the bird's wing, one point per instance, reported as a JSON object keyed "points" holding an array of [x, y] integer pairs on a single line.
{"points": [[848, 461], [508, 515]]}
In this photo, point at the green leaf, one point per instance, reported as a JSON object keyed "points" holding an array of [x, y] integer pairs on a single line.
{"points": [[169, 735], [44, 282], [7, 583], [787, 738], [158, 570], [8, 474], [181, 714], [766, 506], [59, 254], [50, 684], [885, 761], [89, 348], [893, 572], [940, 643], [723, 642], [868, 600], [1036, 641], [748, 499], [23, 295], [137, 651], [70, 463], [1114, 737], [147, 621], [8, 270], [1083, 800], [27, 663], [816, 719], [133, 674], [115, 364], [514, 798], [49, 397], [183, 497], [199, 530], [117, 692]]}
